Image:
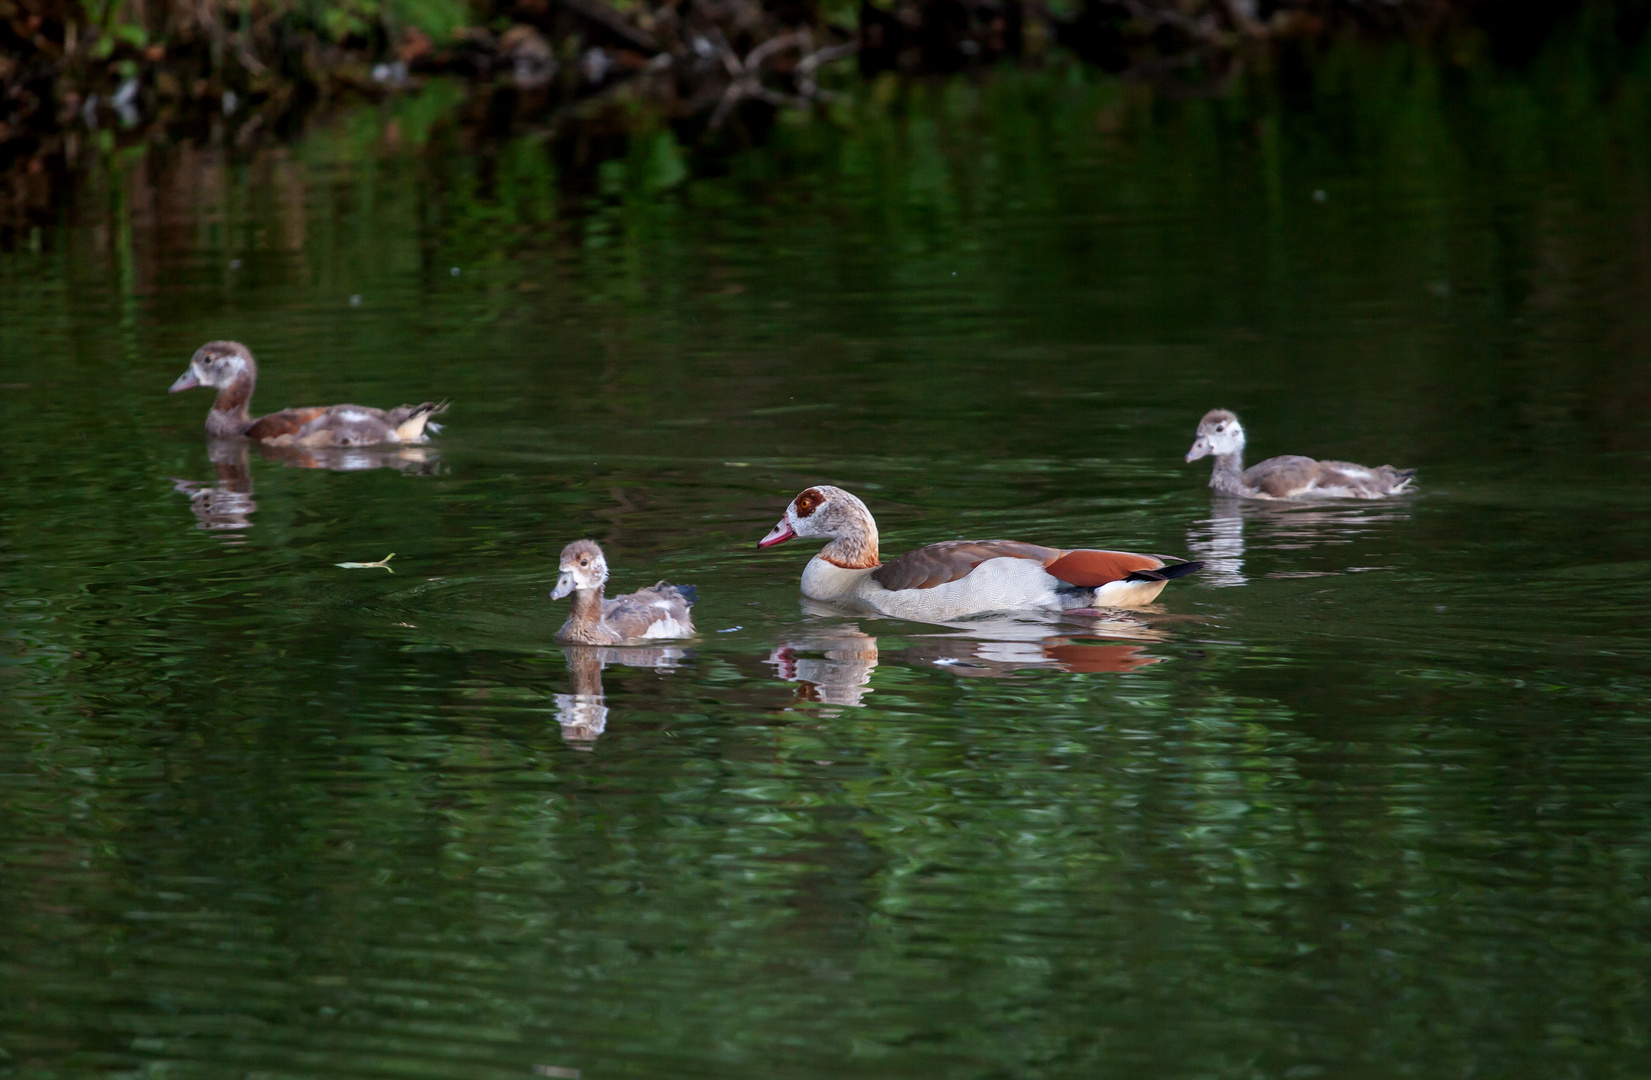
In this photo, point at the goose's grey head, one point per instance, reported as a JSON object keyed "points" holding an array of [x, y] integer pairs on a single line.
{"points": [[822, 511]]}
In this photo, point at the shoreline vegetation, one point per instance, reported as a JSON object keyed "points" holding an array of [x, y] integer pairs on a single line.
{"points": [[244, 72]]}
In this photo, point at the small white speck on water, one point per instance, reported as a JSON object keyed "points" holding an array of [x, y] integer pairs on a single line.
{"points": [[235, 264], [454, 272], [730, 629], [355, 300], [1320, 195]]}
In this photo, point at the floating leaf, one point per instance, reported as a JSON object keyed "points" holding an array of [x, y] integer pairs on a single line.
{"points": [[384, 562]]}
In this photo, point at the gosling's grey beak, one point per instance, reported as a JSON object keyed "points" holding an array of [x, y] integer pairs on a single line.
{"points": [[779, 534], [564, 585], [186, 381], [1199, 449]]}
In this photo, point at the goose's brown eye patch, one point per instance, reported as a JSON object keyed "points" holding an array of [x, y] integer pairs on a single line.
{"points": [[808, 502]]}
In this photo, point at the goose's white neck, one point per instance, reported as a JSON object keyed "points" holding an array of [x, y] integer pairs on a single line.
{"points": [[853, 553], [853, 539], [832, 582]]}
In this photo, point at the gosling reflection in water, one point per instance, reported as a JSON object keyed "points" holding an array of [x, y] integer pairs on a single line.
{"points": [[1219, 540], [583, 713], [833, 665], [227, 504], [415, 459]]}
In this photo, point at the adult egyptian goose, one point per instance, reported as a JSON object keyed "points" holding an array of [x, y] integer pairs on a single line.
{"points": [[1290, 476], [960, 578], [229, 367], [645, 615]]}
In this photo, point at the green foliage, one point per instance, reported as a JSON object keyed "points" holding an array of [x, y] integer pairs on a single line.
{"points": [[338, 20], [844, 14], [130, 34], [121, 23], [438, 18]]}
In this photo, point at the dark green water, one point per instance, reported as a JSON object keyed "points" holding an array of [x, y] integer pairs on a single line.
{"points": [[1369, 798]]}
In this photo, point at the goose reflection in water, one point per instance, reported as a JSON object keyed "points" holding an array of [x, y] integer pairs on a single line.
{"points": [[226, 504], [832, 665], [1219, 540], [583, 713]]}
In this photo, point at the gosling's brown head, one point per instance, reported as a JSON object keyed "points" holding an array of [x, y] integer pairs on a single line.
{"points": [[583, 568], [217, 364], [1219, 433]]}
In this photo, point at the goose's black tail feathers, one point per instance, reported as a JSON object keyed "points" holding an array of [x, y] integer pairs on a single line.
{"points": [[689, 593], [1166, 573]]}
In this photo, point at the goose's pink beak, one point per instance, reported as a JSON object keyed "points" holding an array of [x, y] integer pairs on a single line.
{"points": [[186, 381], [779, 534]]}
